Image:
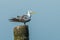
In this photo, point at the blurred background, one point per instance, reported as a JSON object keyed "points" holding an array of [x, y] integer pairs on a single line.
{"points": [[45, 24]]}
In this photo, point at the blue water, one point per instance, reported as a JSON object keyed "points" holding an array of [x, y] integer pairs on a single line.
{"points": [[45, 24]]}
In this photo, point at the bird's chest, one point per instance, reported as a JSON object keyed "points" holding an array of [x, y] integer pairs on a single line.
{"points": [[25, 18]]}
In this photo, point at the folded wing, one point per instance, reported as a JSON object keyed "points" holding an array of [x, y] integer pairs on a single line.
{"points": [[14, 20], [23, 18]]}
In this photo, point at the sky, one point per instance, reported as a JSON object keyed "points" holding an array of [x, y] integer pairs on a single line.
{"points": [[45, 24]]}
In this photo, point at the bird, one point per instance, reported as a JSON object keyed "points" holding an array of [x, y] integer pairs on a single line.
{"points": [[24, 18]]}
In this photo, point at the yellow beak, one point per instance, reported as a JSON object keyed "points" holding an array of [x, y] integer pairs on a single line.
{"points": [[33, 13]]}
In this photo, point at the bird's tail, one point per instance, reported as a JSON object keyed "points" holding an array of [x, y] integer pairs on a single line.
{"points": [[14, 20]]}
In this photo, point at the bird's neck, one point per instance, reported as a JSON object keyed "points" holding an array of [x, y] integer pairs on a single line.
{"points": [[29, 15]]}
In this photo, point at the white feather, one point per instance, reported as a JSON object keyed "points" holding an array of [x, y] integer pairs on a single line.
{"points": [[28, 14]]}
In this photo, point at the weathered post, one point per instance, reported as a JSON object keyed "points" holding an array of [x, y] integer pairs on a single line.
{"points": [[21, 32]]}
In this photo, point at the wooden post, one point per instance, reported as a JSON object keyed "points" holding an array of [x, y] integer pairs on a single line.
{"points": [[21, 32]]}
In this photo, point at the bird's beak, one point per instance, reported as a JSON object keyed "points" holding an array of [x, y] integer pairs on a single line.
{"points": [[33, 13]]}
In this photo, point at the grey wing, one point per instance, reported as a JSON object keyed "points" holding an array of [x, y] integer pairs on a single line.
{"points": [[14, 20]]}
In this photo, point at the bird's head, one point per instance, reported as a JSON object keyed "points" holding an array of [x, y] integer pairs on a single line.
{"points": [[30, 13]]}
